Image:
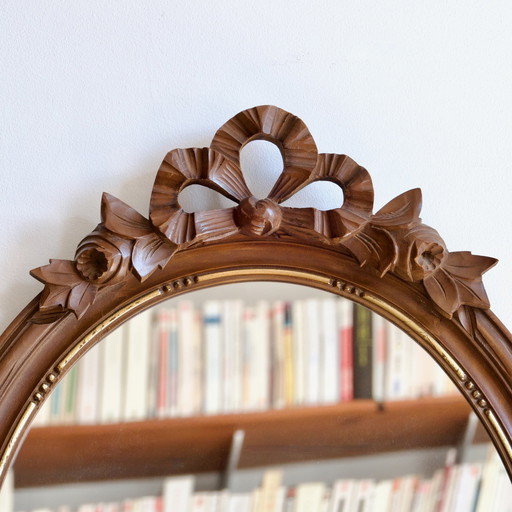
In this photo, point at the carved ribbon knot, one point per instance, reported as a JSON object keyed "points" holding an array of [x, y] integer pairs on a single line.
{"points": [[392, 240]]}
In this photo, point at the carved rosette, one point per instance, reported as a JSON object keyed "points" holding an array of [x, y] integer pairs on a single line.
{"points": [[392, 240]]}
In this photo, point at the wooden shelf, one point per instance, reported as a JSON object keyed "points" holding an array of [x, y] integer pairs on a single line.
{"points": [[54, 455]]}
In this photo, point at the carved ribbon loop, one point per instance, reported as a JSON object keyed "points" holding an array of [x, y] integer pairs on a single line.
{"points": [[218, 168]]}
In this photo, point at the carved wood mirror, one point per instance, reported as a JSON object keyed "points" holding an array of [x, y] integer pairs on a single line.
{"points": [[387, 261]]}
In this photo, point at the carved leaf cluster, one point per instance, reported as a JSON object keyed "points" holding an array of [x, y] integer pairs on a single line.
{"points": [[140, 249], [396, 240], [150, 250]]}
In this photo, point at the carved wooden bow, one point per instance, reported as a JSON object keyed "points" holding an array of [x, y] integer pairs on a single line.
{"points": [[393, 240]]}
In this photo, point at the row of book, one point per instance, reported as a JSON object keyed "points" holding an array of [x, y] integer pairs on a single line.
{"points": [[230, 357], [468, 487]]}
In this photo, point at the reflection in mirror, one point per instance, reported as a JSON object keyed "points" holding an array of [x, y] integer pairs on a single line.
{"points": [[320, 386]]}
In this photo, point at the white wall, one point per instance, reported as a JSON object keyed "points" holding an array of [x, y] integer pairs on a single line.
{"points": [[93, 94]]}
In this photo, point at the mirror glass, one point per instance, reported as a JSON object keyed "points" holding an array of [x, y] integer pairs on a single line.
{"points": [[289, 384]]}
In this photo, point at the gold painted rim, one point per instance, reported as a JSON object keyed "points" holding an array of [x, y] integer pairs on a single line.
{"points": [[421, 332], [15, 436], [112, 318], [264, 272], [499, 430]]}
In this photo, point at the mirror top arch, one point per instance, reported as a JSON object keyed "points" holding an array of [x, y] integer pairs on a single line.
{"points": [[388, 261]]}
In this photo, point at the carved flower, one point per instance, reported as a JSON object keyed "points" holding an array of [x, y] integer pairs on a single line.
{"points": [[429, 257], [218, 168], [103, 257], [422, 251], [451, 279]]}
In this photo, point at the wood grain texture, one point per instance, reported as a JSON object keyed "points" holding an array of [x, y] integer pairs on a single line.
{"points": [[388, 261], [201, 444]]}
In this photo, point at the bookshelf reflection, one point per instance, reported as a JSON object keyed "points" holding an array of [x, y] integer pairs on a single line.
{"points": [[200, 355], [307, 376]]}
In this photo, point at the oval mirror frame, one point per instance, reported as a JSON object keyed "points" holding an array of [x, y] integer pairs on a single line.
{"points": [[388, 261]]}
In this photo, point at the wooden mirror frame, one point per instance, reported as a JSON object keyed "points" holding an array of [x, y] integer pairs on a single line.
{"points": [[388, 261]]}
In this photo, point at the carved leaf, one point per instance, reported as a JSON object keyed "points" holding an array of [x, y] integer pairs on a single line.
{"points": [[58, 272], [464, 265], [467, 270], [400, 212], [374, 247], [81, 297], [150, 252], [54, 296], [64, 288], [443, 291], [122, 219], [472, 293]]}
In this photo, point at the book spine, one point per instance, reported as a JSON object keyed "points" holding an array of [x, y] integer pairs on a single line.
{"points": [[330, 386], [309, 497], [263, 358], [197, 363], [88, 384], [163, 374], [212, 325], [363, 352], [277, 365], [342, 496], [237, 359], [299, 352], [111, 376], [288, 351], [153, 382], [172, 364], [136, 389], [177, 494], [312, 366], [396, 375], [187, 353], [346, 354], [271, 491], [379, 357], [70, 406], [229, 383]]}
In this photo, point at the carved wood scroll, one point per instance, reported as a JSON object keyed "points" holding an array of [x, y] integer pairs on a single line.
{"points": [[393, 240]]}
